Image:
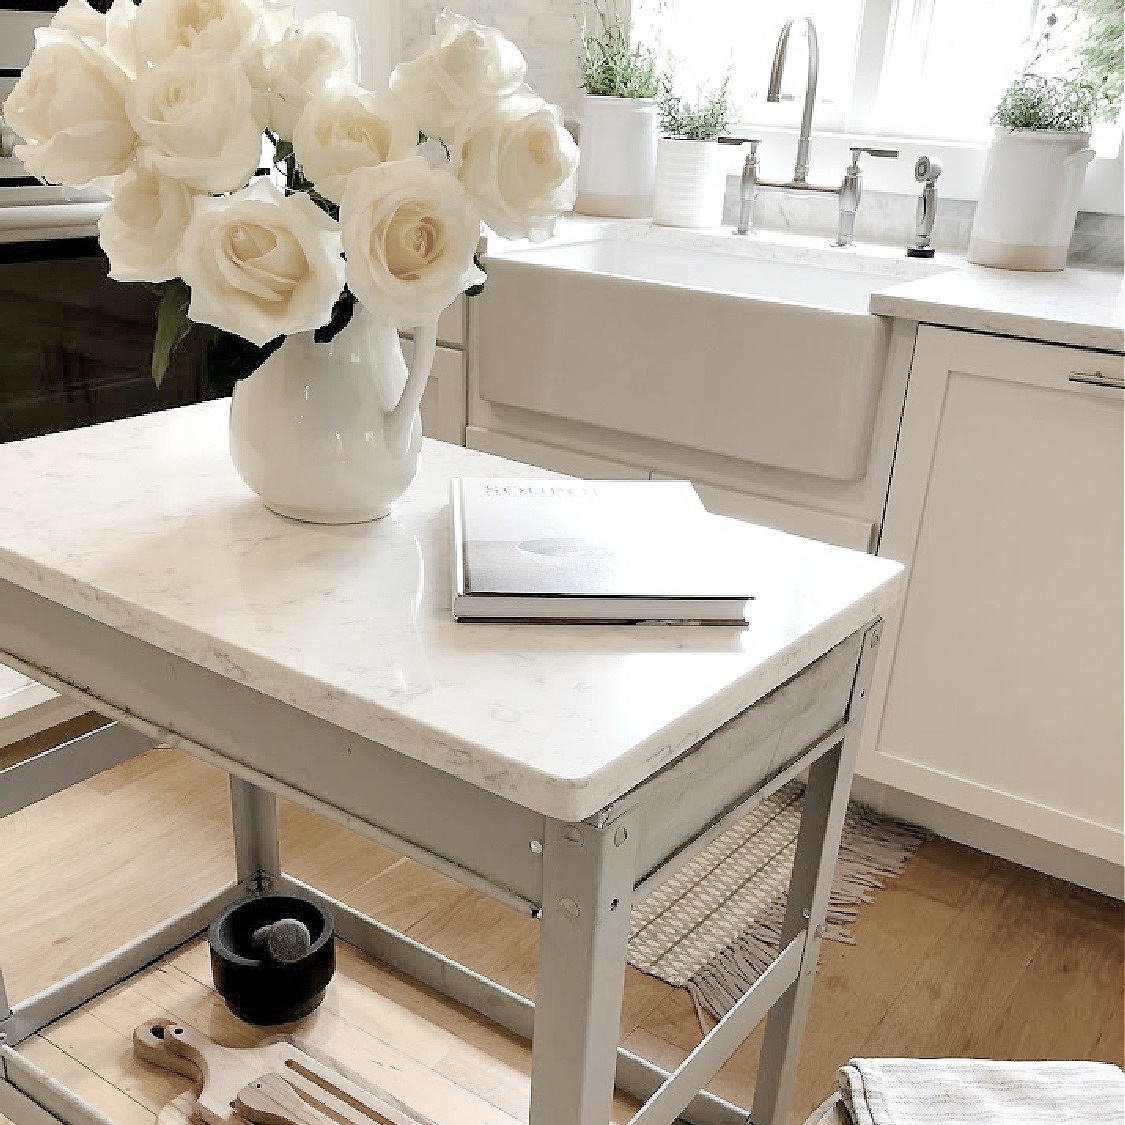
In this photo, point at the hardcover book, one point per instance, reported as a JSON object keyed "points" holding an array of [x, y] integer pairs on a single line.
{"points": [[593, 551]]}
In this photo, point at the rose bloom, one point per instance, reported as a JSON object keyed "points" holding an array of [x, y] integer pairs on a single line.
{"points": [[467, 62], [113, 31], [345, 127], [410, 232], [69, 106], [287, 74], [519, 163], [141, 229], [162, 26], [261, 264], [194, 116]]}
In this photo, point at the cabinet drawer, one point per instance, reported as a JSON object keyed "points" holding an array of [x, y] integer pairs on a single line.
{"points": [[443, 403], [1081, 370]]}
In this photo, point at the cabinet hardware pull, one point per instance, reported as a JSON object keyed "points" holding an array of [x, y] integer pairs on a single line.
{"points": [[1097, 379]]}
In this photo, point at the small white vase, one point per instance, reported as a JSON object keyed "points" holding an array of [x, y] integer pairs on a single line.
{"points": [[617, 164], [1029, 199], [691, 179], [330, 433]]}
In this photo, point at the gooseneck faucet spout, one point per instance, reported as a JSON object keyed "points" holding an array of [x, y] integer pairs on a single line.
{"points": [[773, 93]]}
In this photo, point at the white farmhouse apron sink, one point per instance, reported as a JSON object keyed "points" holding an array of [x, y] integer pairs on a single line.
{"points": [[774, 362]]}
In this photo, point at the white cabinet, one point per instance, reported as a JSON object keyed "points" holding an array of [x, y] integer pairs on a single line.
{"points": [[443, 403], [1000, 692]]}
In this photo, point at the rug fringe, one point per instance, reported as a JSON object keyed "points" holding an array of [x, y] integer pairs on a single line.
{"points": [[873, 849]]}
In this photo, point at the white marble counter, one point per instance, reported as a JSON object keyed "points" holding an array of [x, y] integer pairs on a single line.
{"points": [[1080, 307], [144, 525]]}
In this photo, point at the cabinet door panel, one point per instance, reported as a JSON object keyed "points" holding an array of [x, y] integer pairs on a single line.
{"points": [[443, 402], [1005, 695]]}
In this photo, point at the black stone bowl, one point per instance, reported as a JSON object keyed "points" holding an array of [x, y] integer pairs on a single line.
{"points": [[257, 988]]}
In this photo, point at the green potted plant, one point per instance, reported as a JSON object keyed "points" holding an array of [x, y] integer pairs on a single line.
{"points": [[691, 167], [619, 119], [1034, 169]]}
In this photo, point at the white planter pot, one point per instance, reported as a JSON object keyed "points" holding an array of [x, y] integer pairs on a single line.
{"points": [[330, 433], [691, 178], [617, 166], [1029, 199]]}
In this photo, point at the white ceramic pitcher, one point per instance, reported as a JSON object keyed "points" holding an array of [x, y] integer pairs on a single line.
{"points": [[331, 433]]}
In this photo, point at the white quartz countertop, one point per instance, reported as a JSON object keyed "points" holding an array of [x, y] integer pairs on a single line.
{"points": [[1080, 307], [144, 525]]}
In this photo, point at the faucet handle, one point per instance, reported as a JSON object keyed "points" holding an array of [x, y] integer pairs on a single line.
{"points": [[885, 153], [927, 169]]}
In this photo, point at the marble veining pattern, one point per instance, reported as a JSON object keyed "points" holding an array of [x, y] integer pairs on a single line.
{"points": [[1079, 307], [144, 525]]}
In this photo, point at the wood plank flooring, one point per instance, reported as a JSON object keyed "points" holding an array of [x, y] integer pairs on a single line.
{"points": [[964, 954]]}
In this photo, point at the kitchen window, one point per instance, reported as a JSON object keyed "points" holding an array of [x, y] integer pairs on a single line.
{"points": [[919, 68]]}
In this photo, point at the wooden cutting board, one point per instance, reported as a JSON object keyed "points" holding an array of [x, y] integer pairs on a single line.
{"points": [[275, 1083]]}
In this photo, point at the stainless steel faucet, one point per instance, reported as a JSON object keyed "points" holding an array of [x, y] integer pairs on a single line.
{"points": [[848, 192], [773, 92]]}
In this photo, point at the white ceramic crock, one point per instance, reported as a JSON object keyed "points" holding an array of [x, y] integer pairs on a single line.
{"points": [[1029, 199], [691, 178], [617, 165], [330, 433]]}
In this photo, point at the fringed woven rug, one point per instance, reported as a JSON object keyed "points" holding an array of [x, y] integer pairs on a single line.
{"points": [[715, 926]]}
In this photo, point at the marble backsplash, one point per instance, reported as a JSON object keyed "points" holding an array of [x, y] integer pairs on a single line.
{"points": [[888, 219]]}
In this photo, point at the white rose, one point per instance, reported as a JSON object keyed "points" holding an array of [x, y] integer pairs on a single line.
{"points": [[80, 18], [278, 19], [142, 228], [410, 232], [69, 106], [345, 127], [162, 26], [307, 57], [261, 264], [112, 31], [194, 116], [519, 164], [465, 63]]}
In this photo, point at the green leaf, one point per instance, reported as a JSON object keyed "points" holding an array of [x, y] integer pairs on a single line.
{"points": [[341, 316], [478, 289], [229, 358], [283, 151], [172, 325]]}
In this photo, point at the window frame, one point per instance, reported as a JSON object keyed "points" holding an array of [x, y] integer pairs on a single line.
{"points": [[962, 159]]}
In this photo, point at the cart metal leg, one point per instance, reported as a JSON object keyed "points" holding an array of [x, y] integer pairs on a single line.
{"points": [[588, 876], [253, 813], [818, 844]]}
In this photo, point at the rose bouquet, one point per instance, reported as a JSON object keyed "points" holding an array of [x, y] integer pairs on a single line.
{"points": [[261, 189]]}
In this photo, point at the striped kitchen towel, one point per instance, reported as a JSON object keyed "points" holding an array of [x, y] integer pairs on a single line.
{"points": [[982, 1092]]}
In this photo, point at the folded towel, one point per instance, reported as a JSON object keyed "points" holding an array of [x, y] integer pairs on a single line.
{"points": [[982, 1092]]}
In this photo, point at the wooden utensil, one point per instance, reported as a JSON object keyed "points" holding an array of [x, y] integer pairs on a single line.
{"points": [[225, 1074]]}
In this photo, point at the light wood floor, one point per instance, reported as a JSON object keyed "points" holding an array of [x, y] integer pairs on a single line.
{"points": [[963, 955]]}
